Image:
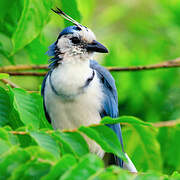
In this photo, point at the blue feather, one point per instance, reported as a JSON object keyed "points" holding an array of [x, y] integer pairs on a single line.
{"points": [[43, 95], [69, 30], [51, 51], [110, 104]]}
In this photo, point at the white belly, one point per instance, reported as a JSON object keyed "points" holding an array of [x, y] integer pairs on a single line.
{"points": [[82, 110]]}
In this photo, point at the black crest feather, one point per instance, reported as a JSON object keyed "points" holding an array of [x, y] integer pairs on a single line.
{"points": [[65, 16]]}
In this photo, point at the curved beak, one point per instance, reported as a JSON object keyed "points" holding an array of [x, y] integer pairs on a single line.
{"points": [[95, 46]]}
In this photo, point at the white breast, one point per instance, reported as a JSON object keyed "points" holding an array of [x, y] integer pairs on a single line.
{"points": [[84, 108]]}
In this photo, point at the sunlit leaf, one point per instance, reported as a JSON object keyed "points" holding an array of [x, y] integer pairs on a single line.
{"points": [[36, 50], [12, 161], [41, 153], [149, 176], [169, 140], [5, 146], [142, 147], [28, 106], [70, 8], [105, 137], [46, 141], [5, 106], [14, 119], [33, 18], [63, 165], [87, 166], [124, 119], [4, 76], [65, 147], [31, 169], [10, 16], [175, 176], [76, 142]]}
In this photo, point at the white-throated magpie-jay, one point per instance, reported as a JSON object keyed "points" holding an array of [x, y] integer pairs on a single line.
{"points": [[77, 90]]}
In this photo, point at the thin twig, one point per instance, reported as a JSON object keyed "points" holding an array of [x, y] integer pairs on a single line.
{"points": [[7, 81], [171, 123], [11, 70], [26, 73], [167, 64], [19, 132], [167, 123], [23, 68]]}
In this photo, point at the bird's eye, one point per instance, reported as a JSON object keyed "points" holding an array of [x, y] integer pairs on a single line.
{"points": [[75, 40]]}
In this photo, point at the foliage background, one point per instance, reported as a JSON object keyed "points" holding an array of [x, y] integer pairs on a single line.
{"points": [[136, 32]]}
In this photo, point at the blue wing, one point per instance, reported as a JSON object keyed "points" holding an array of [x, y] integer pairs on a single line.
{"points": [[43, 94], [110, 104]]}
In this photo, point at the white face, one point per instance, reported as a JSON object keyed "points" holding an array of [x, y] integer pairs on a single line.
{"points": [[74, 44]]}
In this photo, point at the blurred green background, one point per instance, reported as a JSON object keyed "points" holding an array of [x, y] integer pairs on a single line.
{"points": [[136, 32]]}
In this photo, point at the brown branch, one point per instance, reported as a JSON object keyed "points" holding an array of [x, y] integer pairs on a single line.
{"points": [[26, 73], [171, 123], [7, 81], [23, 68], [167, 123], [19, 132], [10, 69], [167, 64]]}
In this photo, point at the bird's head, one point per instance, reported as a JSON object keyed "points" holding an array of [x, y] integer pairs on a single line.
{"points": [[76, 40]]}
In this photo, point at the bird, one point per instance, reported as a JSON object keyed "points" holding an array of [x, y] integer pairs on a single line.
{"points": [[77, 90]]}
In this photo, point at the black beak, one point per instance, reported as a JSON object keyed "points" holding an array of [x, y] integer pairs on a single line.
{"points": [[96, 47]]}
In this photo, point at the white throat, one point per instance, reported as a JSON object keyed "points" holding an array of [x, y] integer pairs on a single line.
{"points": [[75, 56], [70, 76]]}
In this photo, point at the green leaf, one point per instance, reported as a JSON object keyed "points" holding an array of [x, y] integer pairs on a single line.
{"points": [[106, 138], [5, 146], [25, 140], [112, 172], [6, 141], [8, 136], [87, 166], [41, 153], [12, 161], [104, 176], [86, 9], [4, 76], [149, 176], [14, 119], [76, 142], [124, 119], [169, 139], [36, 50], [33, 18], [43, 121], [65, 163], [4, 134], [175, 176], [10, 16], [70, 8], [5, 106], [173, 148], [65, 148], [4, 8], [28, 107], [142, 147], [33, 169], [46, 141]]}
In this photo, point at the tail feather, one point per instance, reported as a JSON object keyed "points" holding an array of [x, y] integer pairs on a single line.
{"points": [[129, 165]]}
